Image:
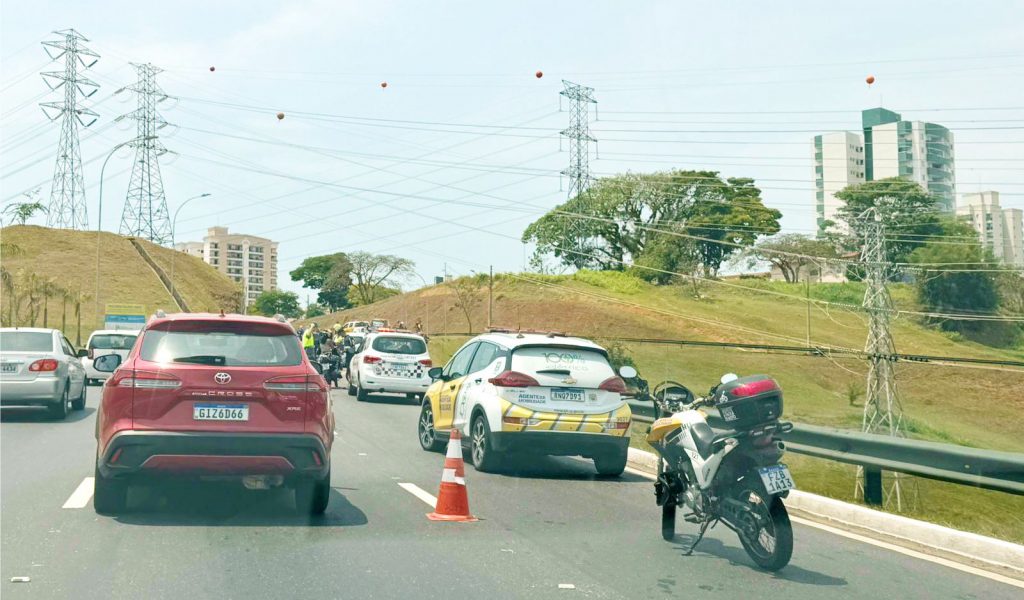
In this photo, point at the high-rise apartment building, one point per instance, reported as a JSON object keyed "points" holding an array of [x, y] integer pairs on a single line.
{"points": [[1001, 230], [887, 147], [247, 259], [838, 162]]}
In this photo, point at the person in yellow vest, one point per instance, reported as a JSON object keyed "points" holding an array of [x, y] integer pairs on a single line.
{"points": [[309, 341]]}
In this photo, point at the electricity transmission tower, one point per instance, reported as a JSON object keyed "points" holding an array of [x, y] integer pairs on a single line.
{"points": [[580, 98], [883, 412], [67, 192], [145, 206]]}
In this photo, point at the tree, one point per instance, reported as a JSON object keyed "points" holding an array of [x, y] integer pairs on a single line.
{"points": [[21, 212], [467, 296], [277, 302], [314, 310], [378, 294], [954, 277], [789, 253], [372, 273], [909, 212], [80, 299], [330, 275], [680, 217]]}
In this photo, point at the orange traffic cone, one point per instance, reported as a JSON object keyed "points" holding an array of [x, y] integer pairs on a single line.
{"points": [[452, 501]]}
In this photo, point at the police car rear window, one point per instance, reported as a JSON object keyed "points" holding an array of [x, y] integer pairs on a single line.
{"points": [[399, 345]]}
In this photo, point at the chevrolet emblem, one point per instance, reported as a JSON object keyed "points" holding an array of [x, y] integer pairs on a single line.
{"points": [[568, 381]]}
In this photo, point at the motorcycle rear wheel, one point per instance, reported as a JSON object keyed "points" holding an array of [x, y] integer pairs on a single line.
{"points": [[772, 545]]}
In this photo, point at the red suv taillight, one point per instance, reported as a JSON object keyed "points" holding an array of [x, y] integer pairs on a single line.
{"points": [[613, 384], [513, 379], [146, 379], [294, 383], [426, 362], [43, 365], [371, 360]]}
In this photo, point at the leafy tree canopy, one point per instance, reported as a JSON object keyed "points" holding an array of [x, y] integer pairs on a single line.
{"points": [[665, 222], [272, 302], [330, 275]]}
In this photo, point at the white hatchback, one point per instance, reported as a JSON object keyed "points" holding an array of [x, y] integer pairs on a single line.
{"points": [[512, 393], [107, 341], [390, 362]]}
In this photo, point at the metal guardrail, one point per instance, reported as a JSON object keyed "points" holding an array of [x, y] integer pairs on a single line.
{"points": [[987, 469]]}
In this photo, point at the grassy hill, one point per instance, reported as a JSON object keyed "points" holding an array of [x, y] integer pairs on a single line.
{"points": [[982, 407], [70, 258]]}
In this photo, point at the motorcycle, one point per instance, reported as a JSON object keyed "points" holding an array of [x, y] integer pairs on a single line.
{"points": [[330, 368], [732, 476]]}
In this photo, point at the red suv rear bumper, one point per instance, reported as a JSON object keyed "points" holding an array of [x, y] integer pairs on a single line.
{"points": [[200, 453]]}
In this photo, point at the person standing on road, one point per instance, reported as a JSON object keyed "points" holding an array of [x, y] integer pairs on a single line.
{"points": [[418, 326], [309, 341]]}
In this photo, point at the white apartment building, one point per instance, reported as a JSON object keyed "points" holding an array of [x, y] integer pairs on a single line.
{"points": [[838, 162], [887, 147], [247, 259], [1001, 230]]}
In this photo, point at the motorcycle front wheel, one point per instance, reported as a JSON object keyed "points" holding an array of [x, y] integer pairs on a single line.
{"points": [[769, 543]]}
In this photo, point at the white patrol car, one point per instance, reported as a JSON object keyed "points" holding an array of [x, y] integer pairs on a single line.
{"points": [[510, 392], [392, 362]]}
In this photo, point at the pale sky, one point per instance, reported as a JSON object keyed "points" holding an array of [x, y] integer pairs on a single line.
{"points": [[424, 169]]}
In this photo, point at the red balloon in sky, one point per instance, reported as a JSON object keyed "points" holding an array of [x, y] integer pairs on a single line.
{"points": [[280, 116], [212, 69], [870, 79], [383, 84], [539, 74]]}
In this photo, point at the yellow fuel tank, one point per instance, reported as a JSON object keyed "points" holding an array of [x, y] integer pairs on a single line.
{"points": [[663, 427]]}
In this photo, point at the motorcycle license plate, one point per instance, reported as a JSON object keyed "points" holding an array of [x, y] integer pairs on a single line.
{"points": [[776, 478], [220, 412]]}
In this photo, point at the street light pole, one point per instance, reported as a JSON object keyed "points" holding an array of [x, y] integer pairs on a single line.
{"points": [[174, 225], [99, 215]]}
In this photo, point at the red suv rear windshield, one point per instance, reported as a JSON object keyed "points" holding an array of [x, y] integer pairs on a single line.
{"points": [[221, 344]]}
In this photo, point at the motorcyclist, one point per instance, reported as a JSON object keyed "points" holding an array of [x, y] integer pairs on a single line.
{"points": [[330, 355]]}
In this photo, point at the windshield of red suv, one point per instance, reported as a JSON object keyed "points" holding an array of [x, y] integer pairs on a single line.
{"points": [[220, 348]]}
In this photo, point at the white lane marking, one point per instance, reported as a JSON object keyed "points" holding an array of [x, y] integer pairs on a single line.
{"points": [[80, 497], [935, 559], [419, 492], [895, 548], [566, 586]]}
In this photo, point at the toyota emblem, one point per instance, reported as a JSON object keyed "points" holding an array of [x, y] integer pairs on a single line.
{"points": [[222, 378]]}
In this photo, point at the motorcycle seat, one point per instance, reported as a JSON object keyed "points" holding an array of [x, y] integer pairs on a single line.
{"points": [[706, 440]]}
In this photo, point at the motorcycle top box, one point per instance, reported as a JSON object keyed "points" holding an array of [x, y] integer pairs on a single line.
{"points": [[747, 402]]}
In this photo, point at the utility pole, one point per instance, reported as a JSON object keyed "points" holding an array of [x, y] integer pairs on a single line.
{"points": [[807, 291], [145, 206], [490, 299], [67, 208], [580, 98], [883, 411]]}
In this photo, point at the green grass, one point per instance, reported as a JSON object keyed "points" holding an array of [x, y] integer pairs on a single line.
{"points": [[976, 407], [70, 257]]}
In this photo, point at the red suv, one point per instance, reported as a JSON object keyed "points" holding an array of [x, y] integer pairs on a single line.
{"points": [[214, 396]]}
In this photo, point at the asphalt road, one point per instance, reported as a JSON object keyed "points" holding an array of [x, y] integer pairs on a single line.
{"points": [[542, 525]]}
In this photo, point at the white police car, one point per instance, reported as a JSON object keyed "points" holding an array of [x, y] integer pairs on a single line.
{"points": [[515, 393], [390, 362]]}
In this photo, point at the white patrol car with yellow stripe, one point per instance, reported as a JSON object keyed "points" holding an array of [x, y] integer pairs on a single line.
{"points": [[517, 393]]}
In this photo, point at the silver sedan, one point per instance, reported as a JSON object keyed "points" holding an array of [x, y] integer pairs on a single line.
{"points": [[40, 367]]}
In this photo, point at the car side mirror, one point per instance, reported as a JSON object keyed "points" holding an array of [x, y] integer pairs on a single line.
{"points": [[83, 353], [627, 372], [436, 373], [108, 363]]}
